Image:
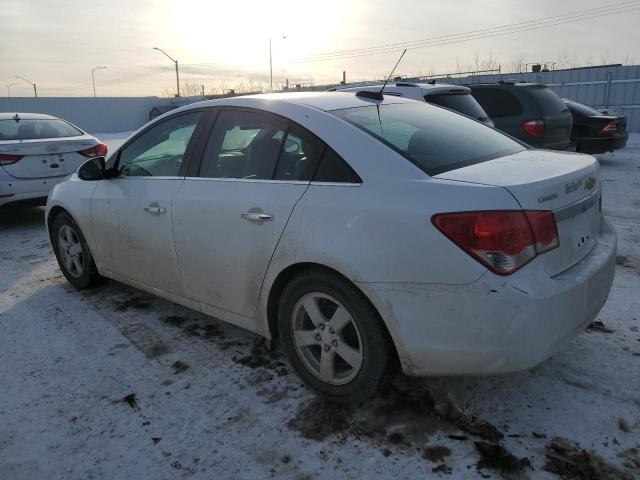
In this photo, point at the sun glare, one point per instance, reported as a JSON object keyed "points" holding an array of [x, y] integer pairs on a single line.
{"points": [[237, 34]]}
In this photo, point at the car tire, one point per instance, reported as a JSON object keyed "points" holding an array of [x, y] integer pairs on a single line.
{"points": [[345, 364], [72, 252]]}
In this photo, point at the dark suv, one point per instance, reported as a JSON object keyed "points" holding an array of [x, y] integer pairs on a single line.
{"points": [[530, 112]]}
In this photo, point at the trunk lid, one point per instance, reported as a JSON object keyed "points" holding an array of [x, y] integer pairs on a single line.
{"points": [[46, 157], [566, 183]]}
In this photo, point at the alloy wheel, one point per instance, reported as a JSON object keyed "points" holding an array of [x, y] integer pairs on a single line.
{"points": [[326, 338], [70, 249]]}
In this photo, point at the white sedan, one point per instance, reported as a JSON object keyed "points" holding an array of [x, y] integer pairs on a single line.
{"points": [[361, 233], [36, 152]]}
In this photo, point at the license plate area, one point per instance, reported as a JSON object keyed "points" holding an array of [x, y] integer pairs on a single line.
{"points": [[578, 231]]}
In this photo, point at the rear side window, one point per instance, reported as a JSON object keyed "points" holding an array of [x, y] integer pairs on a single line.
{"points": [[434, 139], [497, 102], [460, 102], [36, 129], [300, 155], [243, 144], [550, 103], [334, 169]]}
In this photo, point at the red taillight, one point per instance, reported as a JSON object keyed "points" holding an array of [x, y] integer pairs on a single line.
{"points": [[609, 128], [99, 150], [535, 128], [6, 159], [503, 241]]}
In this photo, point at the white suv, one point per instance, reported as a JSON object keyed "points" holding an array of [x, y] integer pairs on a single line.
{"points": [[453, 97]]}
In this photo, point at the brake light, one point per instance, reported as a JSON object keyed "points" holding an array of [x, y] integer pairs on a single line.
{"points": [[6, 159], [609, 128], [99, 150], [503, 241], [535, 128]]}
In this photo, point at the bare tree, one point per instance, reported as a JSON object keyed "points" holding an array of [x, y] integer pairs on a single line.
{"points": [[517, 63]]}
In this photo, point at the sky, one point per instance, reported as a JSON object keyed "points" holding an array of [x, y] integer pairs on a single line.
{"points": [[225, 44]]}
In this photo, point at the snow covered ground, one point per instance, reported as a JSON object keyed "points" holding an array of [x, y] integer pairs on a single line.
{"points": [[114, 383]]}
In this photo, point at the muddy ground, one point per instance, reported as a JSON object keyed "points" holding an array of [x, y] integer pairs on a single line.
{"points": [[114, 383]]}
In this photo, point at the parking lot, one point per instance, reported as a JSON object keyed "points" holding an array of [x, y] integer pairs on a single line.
{"points": [[114, 383]]}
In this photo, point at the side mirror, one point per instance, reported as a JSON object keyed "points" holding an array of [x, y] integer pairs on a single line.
{"points": [[93, 169]]}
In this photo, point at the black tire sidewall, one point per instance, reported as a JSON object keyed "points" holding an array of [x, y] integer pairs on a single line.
{"points": [[374, 339], [89, 272]]}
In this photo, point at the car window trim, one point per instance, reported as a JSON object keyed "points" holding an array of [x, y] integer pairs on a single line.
{"points": [[198, 157], [186, 159]]}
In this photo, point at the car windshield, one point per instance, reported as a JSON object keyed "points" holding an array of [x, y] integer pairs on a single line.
{"points": [[460, 102], [432, 138], [36, 129]]}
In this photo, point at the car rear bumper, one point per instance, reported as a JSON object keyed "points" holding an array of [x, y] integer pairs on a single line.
{"points": [[16, 192], [601, 145], [490, 326]]}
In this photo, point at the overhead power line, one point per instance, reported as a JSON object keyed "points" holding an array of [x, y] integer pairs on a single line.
{"points": [[571, 17]]}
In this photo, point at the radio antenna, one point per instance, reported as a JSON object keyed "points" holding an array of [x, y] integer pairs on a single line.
{"points": [[394, 69], [378, 95]]}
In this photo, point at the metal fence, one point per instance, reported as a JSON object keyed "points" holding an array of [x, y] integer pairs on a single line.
{"points": [[95, 115], [616, 88]]}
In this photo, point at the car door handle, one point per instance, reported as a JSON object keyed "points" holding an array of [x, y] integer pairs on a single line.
{"points": [[155, 209], [256, 216]]}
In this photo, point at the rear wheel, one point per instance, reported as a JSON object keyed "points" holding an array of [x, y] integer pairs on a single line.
{"points": [[71, 250], [333, 337]]}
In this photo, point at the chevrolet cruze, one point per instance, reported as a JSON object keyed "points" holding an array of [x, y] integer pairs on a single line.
{"points": [[361, 232]]}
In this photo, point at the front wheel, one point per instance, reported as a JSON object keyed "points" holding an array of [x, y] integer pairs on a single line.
{"points": [[71, 250], [333, 337]]}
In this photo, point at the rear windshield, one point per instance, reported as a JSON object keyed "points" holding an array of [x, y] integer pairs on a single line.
{"points": [[549, 101], [460, 102], [582, 109], [35, 129], [434, 139]]}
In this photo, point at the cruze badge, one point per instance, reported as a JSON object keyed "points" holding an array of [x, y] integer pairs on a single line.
{"points": [[590, 183], [545, 197]]}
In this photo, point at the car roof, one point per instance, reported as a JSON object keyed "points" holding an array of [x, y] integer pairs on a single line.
{"points": [[325, 101], [425, 88], [26, 116]]}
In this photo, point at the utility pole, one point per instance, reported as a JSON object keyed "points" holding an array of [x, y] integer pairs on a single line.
{"points": [[35, 90], [176, 63], [93, 79]]}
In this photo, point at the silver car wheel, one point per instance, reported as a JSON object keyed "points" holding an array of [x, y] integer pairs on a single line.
{"points": [[326, 338], [70, 250]]}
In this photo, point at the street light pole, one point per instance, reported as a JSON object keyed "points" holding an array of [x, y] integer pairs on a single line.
{"points": [[35, 90], [176, 62], [93, 79], [9, 85], [271, 63]]}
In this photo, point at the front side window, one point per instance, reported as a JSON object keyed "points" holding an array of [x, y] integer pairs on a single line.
{"points": [[243, 145], [432, 138], [159, 151], [36, 129]]}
